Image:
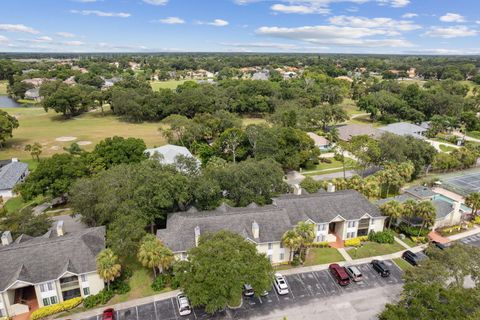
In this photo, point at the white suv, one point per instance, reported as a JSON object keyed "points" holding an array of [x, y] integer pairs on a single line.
{"points": [[183, 304], [280, 284]]}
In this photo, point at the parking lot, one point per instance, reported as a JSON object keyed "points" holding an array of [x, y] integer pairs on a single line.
{"points": [[304, 288], [472, 240]]}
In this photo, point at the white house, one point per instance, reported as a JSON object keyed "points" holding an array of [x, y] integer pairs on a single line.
{"points": [[10, 175], [169, 154]]}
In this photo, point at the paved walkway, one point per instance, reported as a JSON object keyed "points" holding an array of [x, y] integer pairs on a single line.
{"points": [[475, 230], [345, 254], [403, 244], [435, 236]]}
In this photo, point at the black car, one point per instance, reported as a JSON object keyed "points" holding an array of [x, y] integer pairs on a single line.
{"points": [[411, 258], [439, 245], [381, 268]]}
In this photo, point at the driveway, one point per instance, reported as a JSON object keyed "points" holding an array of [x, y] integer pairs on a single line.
{"points": [[311, 294]]}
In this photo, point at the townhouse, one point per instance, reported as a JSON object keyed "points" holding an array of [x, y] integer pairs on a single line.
{"points": [[337, 216]]}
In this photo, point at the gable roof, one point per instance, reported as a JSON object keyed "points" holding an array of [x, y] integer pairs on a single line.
{"points": [[405, 129], [170, 153], [421, 192], [273, 220], [48, 257], [346, 132], [11, 174], [319, 140]]}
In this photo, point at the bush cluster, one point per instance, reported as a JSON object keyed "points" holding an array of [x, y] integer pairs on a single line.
{"points": [[412, 231], [386, 236], [100, 298], [56, 308]]}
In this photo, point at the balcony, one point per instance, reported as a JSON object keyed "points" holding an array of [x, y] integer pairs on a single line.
{"points": [[69, 285]]}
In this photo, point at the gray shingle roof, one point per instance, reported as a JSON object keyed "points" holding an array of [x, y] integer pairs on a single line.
{"points": [[405, 129], [346, 132], [421, 192], [170, 153], [11, 174], [273, 220], [45, 258]]}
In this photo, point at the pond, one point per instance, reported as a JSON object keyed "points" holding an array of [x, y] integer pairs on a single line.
{"points": [[7, 102]]}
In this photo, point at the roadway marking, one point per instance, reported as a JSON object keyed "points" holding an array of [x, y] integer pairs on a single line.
{"points": [[174, 311], [155, 307], [136, 311], [319, 283]]}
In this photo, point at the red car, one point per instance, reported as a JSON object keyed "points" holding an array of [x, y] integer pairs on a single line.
{"points": [[108, 314], [340, 274]]}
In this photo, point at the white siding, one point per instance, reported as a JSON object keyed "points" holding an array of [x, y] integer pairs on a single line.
{"points": [[376, 224], [321, 230], [275, 253], [95, 283]]}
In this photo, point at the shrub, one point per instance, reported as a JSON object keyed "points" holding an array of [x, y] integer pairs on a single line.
{"points": [[119, 287], [412, 231], [175, 283], [55, 308], [382, 237], [419, 239], [310, 185], [323, 244], [159, 283], [296, 261], [476, 220], [98, 299], [355, 242]]}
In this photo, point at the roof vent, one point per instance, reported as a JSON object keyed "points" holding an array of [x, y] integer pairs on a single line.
{"points": [[197, 235], [60, 231], [6, 238], [255, 230]]}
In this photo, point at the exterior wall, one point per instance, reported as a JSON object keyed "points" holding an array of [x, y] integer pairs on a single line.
{"points": [[274, 252], [95, 283], [55, 292], [376, 224], [8, 298], [341, 230], [351, 227], [7, 193], [321, 230], [3, 309]]}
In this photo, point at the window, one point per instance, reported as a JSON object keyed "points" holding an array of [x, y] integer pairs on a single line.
{"points": [[322, 227], [86, 291], [282, 256], [84, 277], [53, 300], [43, 287], [351, 224], [372, 222], [46, 302], [50, 286], [281, 245], [269, 257], [2, 313], [270, 246]]}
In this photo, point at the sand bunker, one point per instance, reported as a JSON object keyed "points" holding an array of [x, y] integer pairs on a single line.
{"points": [[84, 143], [65, 139]]}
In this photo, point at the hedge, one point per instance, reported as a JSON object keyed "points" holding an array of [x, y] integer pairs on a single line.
{"points": [[56, 308], [100, 298], [323, 244], [382, 237]]}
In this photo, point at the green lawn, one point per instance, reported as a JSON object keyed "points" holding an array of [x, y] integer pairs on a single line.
{"points": [[446, 148], [17, 203], [350, 107], [349, 164], [402, 264], [170, 84], [371, 249], [3, 87], [474, 134], [38, 126], [322, 256]]}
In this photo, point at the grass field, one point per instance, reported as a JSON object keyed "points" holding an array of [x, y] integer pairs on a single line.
{"points": [[322, 256], [170, 84], [371, 249], [3, 87], [402, 264], [350, 107], [446, 148], [38, 126]]}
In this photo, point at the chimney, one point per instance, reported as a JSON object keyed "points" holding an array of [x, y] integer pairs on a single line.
{"points": [[197, 235], [6, 238], [14, 159], [330, 187], [255, 230], [297, 190], [60, 231]]}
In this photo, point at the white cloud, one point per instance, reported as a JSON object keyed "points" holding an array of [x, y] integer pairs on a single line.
{"points": [[452, 17], [172, 20], [156, 2], [101, 13], [335, 35], [65, 34], [17, 28], [393, 27], [3, 40], [451, 32], [216, 23], [302, 9], [443, 51], [282, 46], [409, 15], [395, 3], [86, 1], [43, 39], [73, 43]]}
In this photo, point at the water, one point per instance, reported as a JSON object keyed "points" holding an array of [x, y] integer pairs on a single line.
{"points": [[447, 199], [7, 102]]}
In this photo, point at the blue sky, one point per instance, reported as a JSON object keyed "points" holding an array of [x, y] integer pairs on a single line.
{"points": [[321, 26]]}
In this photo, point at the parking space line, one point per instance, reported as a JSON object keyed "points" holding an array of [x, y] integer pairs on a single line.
{"points": [[174, 311], [276, 294], [136, 310], [155, 307], [194, 314], [319, 283], [306, 286]]}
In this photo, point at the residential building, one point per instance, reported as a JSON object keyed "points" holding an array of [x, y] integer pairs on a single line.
{"points": [[10, 175], [346, 132], [448, 212], [261, 75], [405, 129], [42, 271], [168, 154], [33, 94], [107, 83], [320, 142], [336, 216]]}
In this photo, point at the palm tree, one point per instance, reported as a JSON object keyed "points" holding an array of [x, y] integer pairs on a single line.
{"points": [[473, 201], [393, 209], [149, 253], [166, 258], [108, 267], [427, 212], [406, 170], [291, 240], [371, 187], [306, 232]]}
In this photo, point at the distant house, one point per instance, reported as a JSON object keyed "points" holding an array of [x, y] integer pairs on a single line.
{"points": [[320, 142], [45, 270], [261, 75], [36, 82], [33, 94], [448, 211], [70, 81], [107, 83], [168, 154], [10, 175], [405, 129], [289, 75], [336, 216], [348, 131]]}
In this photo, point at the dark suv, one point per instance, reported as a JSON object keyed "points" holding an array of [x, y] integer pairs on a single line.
{"points": [[381, 268], [340, 274], [411, 258]]}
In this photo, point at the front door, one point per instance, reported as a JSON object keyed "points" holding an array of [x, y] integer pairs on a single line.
{"points": [[331, 228]]}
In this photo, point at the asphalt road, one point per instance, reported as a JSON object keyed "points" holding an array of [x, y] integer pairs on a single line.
{"points": [[472, 240], [309, 288]]}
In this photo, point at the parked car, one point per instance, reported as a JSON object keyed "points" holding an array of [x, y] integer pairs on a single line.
{"points": [[183, 305], [340, 274], [411, 258], [280, 284], [354, 273], [108, 314], [248, 290], [381, 268], [439, 245]]}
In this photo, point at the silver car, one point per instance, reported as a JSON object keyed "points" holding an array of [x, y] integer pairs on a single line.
{"points": [[354, 273], [183, 304]]}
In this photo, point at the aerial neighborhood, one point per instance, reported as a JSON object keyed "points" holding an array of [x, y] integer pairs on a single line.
{"points": [[250, 160]]}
